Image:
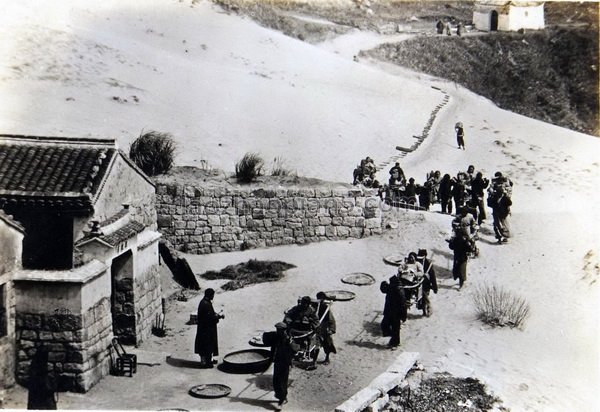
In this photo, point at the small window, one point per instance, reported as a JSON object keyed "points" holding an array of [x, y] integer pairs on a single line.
{"points": [[3, 311], [526, 13]]}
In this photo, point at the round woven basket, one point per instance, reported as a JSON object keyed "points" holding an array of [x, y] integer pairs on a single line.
{"points": [[247, 361]]}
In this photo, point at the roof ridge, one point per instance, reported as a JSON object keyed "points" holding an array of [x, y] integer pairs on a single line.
{"points": [[92, 141]]}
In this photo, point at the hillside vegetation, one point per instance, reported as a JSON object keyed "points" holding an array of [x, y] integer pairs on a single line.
{"points": [[550, 75]]}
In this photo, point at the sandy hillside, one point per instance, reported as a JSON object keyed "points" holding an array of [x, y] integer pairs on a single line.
{"points": [[220, 84], [248, 88]]}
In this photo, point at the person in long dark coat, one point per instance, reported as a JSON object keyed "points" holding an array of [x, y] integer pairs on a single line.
{"points": [[461, 246], [42, 385], [410, 192], [501, 204], [206, 344], [282, 362], [459, 193], [328, 326], [445, 193], [439, 27], [394, 311]]}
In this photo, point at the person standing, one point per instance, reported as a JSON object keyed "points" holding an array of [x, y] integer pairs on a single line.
{"points": [[206, 343], [42, 385], [282, 362], [429, 278], [439, 27], [478, 186], [460, 135], [328, 326], [501, 204], [397, 170], [394, 310], [459, 192], [461, 246], [445, 193]]}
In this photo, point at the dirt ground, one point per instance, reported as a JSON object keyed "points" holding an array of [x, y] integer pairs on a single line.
{"points": [[362, 352]]}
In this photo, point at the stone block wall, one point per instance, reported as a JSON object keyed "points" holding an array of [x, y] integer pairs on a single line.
{"points": [[77, 344], [147, 301], [7, 336], [207, 220]]}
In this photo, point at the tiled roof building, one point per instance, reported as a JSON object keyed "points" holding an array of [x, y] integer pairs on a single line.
{"points": [[89, 255]]}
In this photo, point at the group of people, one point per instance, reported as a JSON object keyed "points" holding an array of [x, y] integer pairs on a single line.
{"points": [[305, 328], [467, 188], [465, 226], [442, 27], [413, 282], [364, 173]]}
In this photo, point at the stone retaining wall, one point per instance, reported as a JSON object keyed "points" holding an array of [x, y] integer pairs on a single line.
{"points": [[207, 220]]}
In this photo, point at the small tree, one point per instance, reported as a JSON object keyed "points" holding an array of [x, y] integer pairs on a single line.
{"points": [[153, 152], [249, 167], [499, 307]]}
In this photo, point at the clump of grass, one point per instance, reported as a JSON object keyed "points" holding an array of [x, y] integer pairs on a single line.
{"points": [[499, 307], [153, 152], [249, 273], [249, 167], [280, 168]]}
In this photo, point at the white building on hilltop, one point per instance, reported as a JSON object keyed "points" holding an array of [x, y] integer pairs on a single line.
{"points": [[493, 15]]}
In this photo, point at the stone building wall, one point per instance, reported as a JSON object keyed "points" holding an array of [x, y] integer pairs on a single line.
{"points": [[207, 220], [7, 340], [147, 301], [11, 241], [77, 344]]}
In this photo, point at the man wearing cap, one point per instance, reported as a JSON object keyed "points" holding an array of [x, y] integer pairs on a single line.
{"points": [[206, 343], [282, 362], [302, 316]]}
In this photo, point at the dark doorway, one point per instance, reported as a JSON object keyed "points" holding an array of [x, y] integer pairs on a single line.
{"points": [[494, 21], [48, 241], [123, 312]]}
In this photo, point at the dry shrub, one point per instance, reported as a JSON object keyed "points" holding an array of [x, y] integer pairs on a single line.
{"points": [[153, 152], [249, 167], [249, 273], [499, 307], [280, 168]]}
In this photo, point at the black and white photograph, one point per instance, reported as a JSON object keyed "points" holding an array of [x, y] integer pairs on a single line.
{"points": [[299, 205]]}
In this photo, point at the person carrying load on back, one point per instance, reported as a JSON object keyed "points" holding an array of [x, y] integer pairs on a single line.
{"points": [[302, 317], [303, 325], [410, 274], [429, 280]]}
